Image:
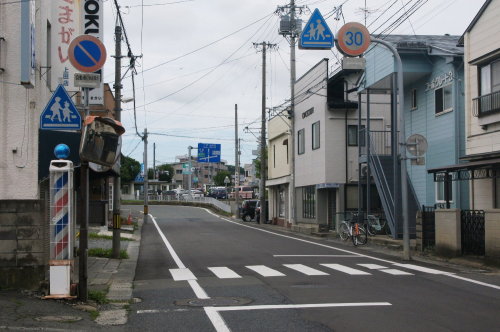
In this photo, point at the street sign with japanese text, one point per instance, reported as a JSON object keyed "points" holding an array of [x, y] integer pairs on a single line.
{"points": [[208, 153]]}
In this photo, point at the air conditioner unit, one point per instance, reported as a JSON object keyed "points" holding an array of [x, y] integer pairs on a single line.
{"points": [[364, 172]]}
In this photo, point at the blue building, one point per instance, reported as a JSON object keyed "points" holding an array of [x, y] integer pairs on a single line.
{"points": [[433, 71]]}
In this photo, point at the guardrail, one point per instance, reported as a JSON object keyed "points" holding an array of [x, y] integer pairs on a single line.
{"points": [[207, 200]]}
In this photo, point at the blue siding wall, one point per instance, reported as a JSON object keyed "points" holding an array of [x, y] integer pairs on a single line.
{"points": [[445, 132]]}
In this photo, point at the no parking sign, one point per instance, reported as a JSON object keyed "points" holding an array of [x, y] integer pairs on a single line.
{"points": [[87, 53]]}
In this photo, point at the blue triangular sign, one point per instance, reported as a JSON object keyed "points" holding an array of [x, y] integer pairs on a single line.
{"points": [[316, 33], [60, 112]]}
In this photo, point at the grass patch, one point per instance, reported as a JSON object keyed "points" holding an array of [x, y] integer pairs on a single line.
{"points": [[98, 296], [106, 253], [107, 237], [94, 314]]}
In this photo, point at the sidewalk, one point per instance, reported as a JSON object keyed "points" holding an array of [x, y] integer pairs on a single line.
{"points": [[110, 280]]}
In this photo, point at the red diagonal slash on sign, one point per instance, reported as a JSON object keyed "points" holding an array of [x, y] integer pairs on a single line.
{"points": [[77, 42]]}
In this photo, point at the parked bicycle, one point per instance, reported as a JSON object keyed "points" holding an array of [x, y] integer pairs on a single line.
{"points": [[375, 225], [353, 229]]}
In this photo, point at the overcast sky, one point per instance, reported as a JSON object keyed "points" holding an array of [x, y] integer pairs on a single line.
{"points": [[186, 96]]}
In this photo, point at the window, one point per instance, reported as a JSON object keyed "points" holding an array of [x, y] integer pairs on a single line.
{"points": [[285, 143], [414, 99], [274, 155], [440, 191], [352, 135], [178, 171], [309, 202], [281, 201], [443, 99], [301, 143], [490, 78], [315, 135]]}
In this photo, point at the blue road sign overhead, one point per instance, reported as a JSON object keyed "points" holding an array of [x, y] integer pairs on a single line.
{"points": [[208, 153], [316, 33], [60, 112]]}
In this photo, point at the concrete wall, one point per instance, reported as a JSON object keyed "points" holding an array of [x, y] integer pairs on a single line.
{"points": [[279, 155], [24, 243], [492, 234], [448, 232]]}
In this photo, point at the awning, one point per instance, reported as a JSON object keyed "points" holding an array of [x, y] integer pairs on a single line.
{"points": [[480, 169]]}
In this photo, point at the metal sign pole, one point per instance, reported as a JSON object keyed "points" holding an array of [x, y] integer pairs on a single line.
{"points": [[84, 221]]}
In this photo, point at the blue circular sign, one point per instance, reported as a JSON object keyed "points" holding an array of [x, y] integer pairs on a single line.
{"points": [[61, 151], [87, 53]]}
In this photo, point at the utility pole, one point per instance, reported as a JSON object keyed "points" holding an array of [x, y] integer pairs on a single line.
{"points": [[263, 159], [293, 33], [236, 162], [154, 161], [146, 181], [117, 180]]}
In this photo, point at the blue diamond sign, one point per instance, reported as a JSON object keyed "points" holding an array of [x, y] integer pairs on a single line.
{"points": [[60, 112], [316, 33]]}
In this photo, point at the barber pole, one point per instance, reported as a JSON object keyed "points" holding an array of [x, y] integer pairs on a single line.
{"points": [[61, 227]]}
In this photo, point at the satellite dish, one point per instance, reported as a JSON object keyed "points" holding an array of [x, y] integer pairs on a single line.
{"points": [[416, 145]]}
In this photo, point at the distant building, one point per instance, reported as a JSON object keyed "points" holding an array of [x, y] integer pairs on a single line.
{"points": [[203, 173]]}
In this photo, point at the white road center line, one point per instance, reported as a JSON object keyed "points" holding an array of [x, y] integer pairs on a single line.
{"points": [[346, 269], [265, 271], [306, 270], [298, 306], [223, 272]]}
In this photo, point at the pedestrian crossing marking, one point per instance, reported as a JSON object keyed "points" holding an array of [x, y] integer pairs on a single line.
{"points": [[346, 269], [182, 274], [373, 266], [420, 268], [306, 270], [265, 271], [223, 272], [396, 272]]}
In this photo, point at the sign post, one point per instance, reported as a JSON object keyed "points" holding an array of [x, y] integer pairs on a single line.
{"points": [[87, 54]]}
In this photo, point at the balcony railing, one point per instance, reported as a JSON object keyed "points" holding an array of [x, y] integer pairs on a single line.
{"points": [[487, 104], [380, 142]]}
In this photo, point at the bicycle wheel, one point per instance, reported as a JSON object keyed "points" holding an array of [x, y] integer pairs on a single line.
{"points": [[359, 235], [372, 225], [344, 231]]}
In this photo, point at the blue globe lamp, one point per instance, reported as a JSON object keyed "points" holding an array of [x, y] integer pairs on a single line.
{"points": [[61, 151]]}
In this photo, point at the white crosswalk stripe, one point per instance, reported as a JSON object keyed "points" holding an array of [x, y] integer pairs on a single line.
{"points": [[223, 272], [346, 269], [306, 270], [182, 274], [385, 269], [373, 266], [265, 271]]}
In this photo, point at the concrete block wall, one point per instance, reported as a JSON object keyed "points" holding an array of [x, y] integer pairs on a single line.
{"points": [[492, 234], [448, 232], [24, 243]]}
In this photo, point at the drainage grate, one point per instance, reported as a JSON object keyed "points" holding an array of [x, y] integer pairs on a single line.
{"points": [[214, 302]]}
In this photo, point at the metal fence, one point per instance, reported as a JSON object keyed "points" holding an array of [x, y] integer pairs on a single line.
{"points": [[473, 241]]}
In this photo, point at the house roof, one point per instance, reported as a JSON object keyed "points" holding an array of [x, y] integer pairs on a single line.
{"points": [[444, 43], [474, 21]]}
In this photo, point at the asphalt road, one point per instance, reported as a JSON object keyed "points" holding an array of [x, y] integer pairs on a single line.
{"points": [[199, 272]]}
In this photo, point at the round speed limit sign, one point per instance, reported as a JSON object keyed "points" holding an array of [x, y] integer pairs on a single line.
{"points": [[353, 39]]}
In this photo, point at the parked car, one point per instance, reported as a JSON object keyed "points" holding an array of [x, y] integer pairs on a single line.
{"points": [[257, 212], [248, 209], [243, 191], [219, 193], [170, 193], [194, 194]]}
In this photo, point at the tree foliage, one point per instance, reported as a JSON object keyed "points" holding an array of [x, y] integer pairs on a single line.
{"points": [[129, 169], [166, 172], [219, 178]]}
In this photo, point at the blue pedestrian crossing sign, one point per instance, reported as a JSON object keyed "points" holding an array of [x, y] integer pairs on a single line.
{"points": [[60, 112], [316, 33]]}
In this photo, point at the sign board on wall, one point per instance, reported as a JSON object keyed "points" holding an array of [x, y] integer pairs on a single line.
{"points": [[92, 13], [65, 26]]}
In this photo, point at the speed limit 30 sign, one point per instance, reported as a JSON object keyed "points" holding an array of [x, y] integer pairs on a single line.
{"points": [[353, 39]]}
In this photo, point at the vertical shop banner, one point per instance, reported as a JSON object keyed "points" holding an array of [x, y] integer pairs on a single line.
{"points": [[28, 43], [65, 26], [92, 24]]}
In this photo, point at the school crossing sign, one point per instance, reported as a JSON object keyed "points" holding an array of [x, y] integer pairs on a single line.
{"points": [[60, 112], [316, 33]]}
